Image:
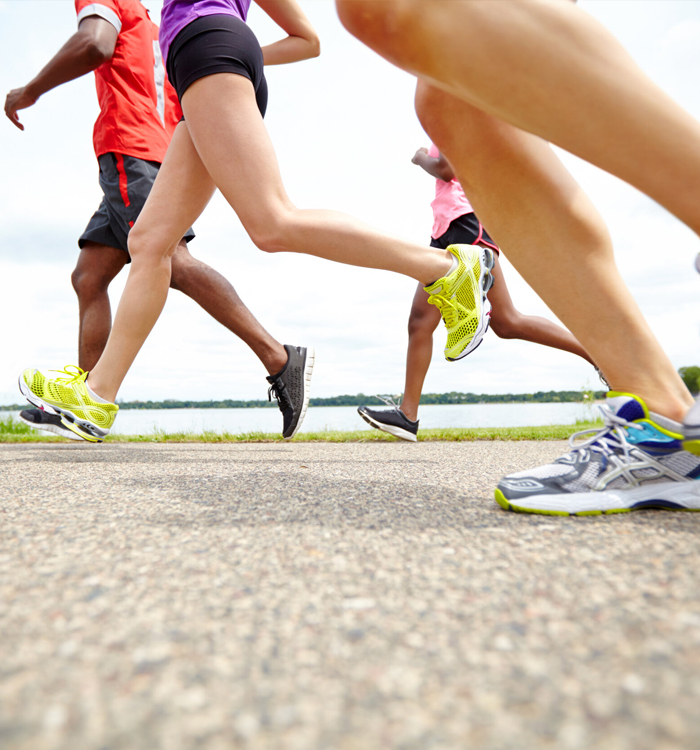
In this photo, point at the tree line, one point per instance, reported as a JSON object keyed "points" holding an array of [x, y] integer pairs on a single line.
{"points": [[360, 399]]}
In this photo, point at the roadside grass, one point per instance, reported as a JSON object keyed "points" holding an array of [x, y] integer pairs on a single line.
{"points": [[12, 431]]}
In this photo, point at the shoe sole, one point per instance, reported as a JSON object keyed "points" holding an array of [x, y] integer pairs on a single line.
{"points": [[485, 283], [69, 420], [390, 429], [308, 371], [64, 433], [664, 496]]}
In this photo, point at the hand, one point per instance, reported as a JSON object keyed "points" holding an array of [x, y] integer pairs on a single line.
{"points": [[17, 99], [415, 158]]}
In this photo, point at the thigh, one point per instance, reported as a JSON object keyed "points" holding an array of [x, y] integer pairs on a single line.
{"points": [[230, 137], [180, 193]]}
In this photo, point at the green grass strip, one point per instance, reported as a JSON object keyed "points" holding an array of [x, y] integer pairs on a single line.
{"points": [[12, 431]]}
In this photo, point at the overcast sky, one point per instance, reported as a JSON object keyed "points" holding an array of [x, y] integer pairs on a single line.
{"points": [[345, 130]]}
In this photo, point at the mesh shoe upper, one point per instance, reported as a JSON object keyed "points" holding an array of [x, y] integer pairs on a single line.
{"points": [[631, 450], [70, 394], [460, 297]]}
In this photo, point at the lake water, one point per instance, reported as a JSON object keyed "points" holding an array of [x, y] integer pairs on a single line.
{"points": [[343, 418]]}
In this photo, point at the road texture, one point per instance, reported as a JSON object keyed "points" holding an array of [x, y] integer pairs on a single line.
{"points": [[349, 597]]}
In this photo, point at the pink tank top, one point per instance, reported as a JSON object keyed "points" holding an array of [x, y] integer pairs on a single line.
{"points": [[450, 201]]}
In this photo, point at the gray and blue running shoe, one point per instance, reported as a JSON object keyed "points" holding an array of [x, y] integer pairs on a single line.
{"points": [[635, 461]]}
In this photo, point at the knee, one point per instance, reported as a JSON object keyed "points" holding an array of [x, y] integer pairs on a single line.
{"points": [[420, 324], [430, 105], [89, 282], [147, 249], [274, 234], [138, 245], [506, 325]]}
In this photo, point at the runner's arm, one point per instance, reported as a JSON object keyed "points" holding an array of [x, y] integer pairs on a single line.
{"points": [[302, 42], [92, 45], [438, 167]]}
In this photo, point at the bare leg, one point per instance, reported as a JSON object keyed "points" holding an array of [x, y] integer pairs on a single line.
{"points": [[558, 73], [97, 266], [509, 323], [213, 293], [552, 234], [422, 322], [179, 195], [232, 141], [224, 142]]}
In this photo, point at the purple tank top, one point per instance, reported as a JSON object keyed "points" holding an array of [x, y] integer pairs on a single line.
{"points": [[177, 14]]}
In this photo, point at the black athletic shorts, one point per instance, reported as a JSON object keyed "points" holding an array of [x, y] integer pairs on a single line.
{"points": [[217, 44], [464, 230], [126, 182]]}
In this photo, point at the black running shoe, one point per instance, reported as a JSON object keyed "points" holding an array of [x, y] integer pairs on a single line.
{"points": [[393, 420], [291, 387], [41, 420]]}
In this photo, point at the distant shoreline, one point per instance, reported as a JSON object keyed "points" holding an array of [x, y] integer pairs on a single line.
{"points": [[360, 399]]}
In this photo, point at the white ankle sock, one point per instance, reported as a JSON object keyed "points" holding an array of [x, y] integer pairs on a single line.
{"points": [[95, 397]]}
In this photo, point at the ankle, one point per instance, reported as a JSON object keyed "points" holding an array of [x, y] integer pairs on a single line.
{"points": [[410, 411], [101, 390], [274, 359]]}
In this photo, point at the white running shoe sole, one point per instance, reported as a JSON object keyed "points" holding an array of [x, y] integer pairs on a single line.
{"points": [[663, 495], [308, 371], [484, 283], [389, 428]]}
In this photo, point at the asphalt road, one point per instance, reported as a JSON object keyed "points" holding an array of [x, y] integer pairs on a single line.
{"points": [[348, 597]]}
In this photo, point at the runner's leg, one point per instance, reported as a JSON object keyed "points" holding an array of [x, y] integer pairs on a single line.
{"points": [[214, 294], [232, 141], [509, 323], [96, 267], [578, 89], [552, 234], [422, 322], [180, 193]]}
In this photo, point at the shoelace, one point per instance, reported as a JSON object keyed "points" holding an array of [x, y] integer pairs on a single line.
{"points": [[73, 373], [607, 440], [447, 308], [280, 393], [389, 401]]}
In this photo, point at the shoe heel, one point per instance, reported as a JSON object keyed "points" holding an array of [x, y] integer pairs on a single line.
{"points": [[488, 258]]}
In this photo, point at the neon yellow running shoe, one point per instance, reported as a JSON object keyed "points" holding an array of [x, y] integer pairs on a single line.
{"points": [[69, 398], [461, 298]]}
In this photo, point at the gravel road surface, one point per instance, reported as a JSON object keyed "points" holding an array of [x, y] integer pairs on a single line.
{"points": [[348, 597]]}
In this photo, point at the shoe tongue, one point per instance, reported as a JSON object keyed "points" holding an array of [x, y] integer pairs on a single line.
{"points": [[629, 407]]}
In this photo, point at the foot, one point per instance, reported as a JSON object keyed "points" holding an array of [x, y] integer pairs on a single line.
{"points": [[291, 388], [70, 399], [691, 429], [635, 461], [49, 422], [393, 420], [461, 298]]}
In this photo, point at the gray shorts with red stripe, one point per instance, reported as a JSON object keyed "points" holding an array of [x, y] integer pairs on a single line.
{"points": [[126, 182]]}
